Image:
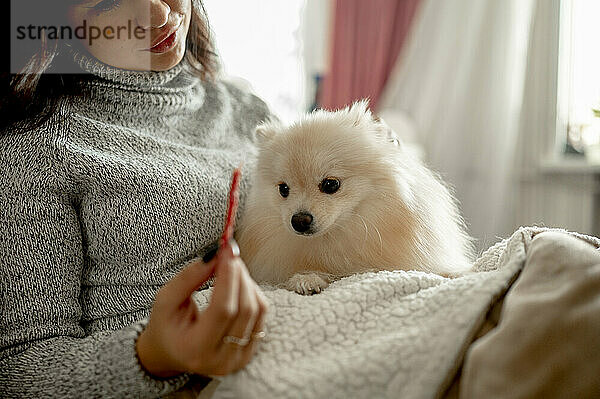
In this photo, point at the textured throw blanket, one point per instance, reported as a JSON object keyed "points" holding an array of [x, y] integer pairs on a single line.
{"points": [[385, 335]]}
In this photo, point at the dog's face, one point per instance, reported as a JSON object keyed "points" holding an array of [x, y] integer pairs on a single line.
{"points": [[314, 173]]}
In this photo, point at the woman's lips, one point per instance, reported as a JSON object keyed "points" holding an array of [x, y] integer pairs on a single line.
{"points": [[165, 45], [168, 37]]}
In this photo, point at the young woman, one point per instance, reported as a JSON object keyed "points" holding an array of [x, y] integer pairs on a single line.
{"points": [[112, 182]]}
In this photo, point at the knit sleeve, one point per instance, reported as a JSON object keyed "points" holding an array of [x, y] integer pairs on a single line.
{"points": [[44, 351]]}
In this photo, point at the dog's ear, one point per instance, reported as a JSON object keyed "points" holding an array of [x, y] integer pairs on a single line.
{"points": [[263, 133], [386, 134], [359, 112], [266, 131]]}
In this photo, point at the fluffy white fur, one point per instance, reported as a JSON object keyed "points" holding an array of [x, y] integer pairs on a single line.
{"points": [[390, 211]]}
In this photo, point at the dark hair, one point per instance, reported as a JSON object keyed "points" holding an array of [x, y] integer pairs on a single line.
{"points": [[29, 98]]}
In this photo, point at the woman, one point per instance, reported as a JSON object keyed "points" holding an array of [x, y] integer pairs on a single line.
{"points": [[112, 180]]}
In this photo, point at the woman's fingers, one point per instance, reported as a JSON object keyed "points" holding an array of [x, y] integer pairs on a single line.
{"points": [[245, 319], [223, 307], [236, 311], [239, 346], [263, 307], [257, 326], [179, 289]]}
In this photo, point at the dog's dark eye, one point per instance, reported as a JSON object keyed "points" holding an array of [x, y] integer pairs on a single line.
{"points": [[329, 185], [284, 190]]}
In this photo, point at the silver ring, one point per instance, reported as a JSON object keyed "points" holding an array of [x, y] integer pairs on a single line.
{"points": [[259, 335], [230, 339]]}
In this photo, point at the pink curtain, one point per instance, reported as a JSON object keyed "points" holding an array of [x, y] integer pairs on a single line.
{"points": [[367, 37]]}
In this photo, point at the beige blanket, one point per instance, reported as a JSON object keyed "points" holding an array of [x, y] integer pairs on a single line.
{"points": [[547, 340], [405, 334]]}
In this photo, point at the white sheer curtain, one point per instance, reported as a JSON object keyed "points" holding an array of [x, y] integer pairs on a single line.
{"points": [[461, 78]]}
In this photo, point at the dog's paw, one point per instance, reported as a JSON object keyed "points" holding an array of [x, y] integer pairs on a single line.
{"points": [[307, 284]]}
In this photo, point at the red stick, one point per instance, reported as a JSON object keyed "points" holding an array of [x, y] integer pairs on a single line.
{"points": [[232, 206]]}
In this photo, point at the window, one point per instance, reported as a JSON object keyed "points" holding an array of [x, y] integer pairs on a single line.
{"points": [[579, 77], [259, 41]]}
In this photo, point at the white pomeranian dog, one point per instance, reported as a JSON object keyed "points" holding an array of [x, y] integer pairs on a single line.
{"points": [[336, 194]]}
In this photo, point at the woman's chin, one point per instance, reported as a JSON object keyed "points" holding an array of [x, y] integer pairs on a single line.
{"points": [[145, 60], [166, 61]]}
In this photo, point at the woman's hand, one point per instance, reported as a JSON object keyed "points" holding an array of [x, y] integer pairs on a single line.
{"points": [[179, 338]]}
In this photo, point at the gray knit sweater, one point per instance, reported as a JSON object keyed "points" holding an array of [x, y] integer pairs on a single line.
{"points": [[98, 209]]}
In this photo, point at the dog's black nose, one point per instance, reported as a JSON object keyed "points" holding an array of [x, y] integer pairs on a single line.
{"points": [[301, 221]]}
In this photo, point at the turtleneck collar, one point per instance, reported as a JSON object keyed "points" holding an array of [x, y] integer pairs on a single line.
{"points": [[141, 79], [135, 91]]}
